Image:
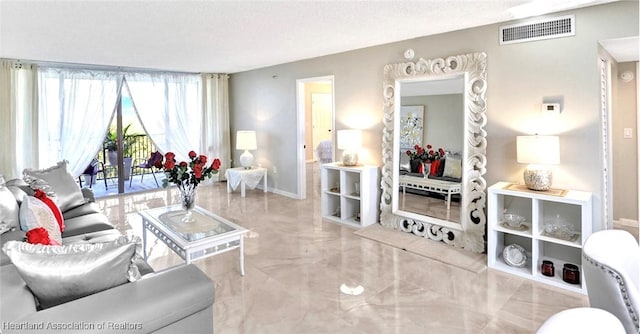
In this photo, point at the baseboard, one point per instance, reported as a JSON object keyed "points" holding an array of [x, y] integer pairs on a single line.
{"points": [[283, 193], [275, 191], [271, 190]]}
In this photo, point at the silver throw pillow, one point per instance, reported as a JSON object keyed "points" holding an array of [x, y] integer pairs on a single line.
{"points": [[58, 274], [8, 208], [68, 193], [452, 168]]}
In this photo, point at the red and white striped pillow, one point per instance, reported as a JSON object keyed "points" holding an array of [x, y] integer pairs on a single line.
{"points": [[39, 221]]}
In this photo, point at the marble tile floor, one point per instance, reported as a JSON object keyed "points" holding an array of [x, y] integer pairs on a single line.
{"points": [[296, 263]]}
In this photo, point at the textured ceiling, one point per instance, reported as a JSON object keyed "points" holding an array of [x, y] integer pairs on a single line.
{"points": [[230, 36]]}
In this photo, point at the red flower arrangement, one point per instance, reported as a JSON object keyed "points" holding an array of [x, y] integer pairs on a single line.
{"points": [[188, 173], [427, 154]]}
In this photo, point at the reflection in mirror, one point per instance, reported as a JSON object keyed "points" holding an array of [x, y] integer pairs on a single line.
{"points": [[438, 194], [431, 132]]}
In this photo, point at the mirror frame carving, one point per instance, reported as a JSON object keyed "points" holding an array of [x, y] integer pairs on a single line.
{"points": [[473, 66]]}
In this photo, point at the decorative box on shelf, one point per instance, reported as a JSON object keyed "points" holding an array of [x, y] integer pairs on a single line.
{"points": [[349, 194], [556, 224]]}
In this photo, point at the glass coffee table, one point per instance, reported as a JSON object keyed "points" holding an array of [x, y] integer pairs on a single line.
{"points": [[208, 235]]}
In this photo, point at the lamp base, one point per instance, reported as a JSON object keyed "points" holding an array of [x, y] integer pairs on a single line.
{"points": [[538, 178], [246, 159], [349, 158]]}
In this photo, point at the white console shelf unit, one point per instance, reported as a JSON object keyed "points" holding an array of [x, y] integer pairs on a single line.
{"points": [[342, 202], [539, 208]]}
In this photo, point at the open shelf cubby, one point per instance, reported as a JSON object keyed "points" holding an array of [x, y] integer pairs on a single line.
{"points": [[544, 213], [351, 189]]}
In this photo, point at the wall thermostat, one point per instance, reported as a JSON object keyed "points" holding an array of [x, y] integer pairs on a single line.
{"points": [[551, 108]]}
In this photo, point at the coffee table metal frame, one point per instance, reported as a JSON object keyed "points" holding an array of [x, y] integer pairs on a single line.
{"points": [[192, 250]]}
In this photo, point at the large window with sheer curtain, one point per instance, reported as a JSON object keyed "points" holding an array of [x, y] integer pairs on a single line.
{"points": [[170, 109], [77, 106], [54, 113]]}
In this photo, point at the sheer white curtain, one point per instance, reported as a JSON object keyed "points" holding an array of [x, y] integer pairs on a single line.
{"points": [[64, 114], [169, 107], [18, 117], [215, 134], [76, 107]]}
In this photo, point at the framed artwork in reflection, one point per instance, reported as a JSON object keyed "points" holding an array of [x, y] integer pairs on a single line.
{"points": [[411, 126]]}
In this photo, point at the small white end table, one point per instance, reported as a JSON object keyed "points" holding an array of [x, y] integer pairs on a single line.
{"points": [[245, 177]]}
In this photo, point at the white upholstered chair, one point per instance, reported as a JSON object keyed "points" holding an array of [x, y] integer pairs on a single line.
{"points": [[324, 151], [582, 320], [611, 264]]}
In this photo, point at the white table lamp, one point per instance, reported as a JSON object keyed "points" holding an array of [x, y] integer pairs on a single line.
{"points": [[350, 141], [539, 152], [246, 140]]}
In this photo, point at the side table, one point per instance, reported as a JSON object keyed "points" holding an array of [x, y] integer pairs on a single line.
{"points": [[245, 177]]}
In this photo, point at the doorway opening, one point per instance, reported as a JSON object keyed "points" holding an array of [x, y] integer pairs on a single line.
{"points": [[620, 113], [316, 121]]}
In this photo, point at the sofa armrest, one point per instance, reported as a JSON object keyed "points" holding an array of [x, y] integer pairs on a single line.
{"points": [[144, 306], [17, 235]]}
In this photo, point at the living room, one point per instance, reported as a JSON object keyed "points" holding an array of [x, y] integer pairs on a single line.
{"points": [[290, 243]]}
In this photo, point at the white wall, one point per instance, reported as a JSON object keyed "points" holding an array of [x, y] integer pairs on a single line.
{"points": [[519, 77]]}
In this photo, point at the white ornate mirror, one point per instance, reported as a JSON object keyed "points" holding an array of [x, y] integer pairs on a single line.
{"points": [[439, 102]]}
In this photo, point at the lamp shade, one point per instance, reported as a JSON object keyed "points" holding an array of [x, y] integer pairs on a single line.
{"points": [[349, 139], [542, 150], [246, 140]]}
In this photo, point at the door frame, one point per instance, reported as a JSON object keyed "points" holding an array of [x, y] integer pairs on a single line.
{"points": [[301, 127], [638, 134], [607, 160], [607, 76]]}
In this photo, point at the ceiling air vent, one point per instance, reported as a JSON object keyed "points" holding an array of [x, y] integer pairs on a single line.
{"points": [[540, 29]]}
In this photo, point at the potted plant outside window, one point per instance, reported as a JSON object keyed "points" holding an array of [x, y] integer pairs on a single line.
{"points": [[111, 144]]}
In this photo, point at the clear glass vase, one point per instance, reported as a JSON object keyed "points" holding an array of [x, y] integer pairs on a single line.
{"points": [[188, 201], [426, 169]]}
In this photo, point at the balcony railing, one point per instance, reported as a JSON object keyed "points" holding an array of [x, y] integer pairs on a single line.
{"points": [[141, 148]]}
